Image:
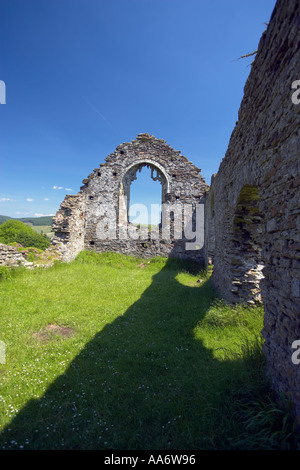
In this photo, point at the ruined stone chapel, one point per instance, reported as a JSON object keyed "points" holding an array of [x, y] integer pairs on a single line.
{"points": [[249, 215]]}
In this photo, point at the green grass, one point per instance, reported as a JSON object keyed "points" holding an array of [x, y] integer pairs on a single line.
{"points": [[152, 360], [46, 229]]}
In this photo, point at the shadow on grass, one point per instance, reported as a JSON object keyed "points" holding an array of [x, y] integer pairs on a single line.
{"points": [[143, 382]]}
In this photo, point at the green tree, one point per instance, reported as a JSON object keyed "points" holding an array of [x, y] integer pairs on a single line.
{"points": [[15, 231]]}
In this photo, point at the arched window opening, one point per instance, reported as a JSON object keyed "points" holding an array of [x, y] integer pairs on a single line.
{"points": [[146, 195], [246, 257], [144, 188]]}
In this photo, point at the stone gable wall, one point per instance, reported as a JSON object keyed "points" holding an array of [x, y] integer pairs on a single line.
{"points": [[103, 200]]}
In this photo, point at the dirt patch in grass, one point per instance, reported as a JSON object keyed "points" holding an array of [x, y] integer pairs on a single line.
{"points": [[194, 284], [54, 330]]}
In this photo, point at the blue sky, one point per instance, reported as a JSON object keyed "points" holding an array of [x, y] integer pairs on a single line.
{"points": [[83, 76]]}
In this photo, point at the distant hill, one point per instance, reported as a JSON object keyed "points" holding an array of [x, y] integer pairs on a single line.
{"points": [[46, 220]]}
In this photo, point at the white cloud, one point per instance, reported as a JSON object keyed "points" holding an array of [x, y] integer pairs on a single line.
{"points": [[61, 187], [46, 199], [29, 199], [2, 199], [37, 214]]}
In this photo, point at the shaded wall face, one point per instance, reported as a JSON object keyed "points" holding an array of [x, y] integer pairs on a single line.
{"points": [[246, 246], [263, 154]]}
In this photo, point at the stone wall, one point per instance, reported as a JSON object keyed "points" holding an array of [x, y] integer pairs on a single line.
{"points": [[68, 226], [10, 256], [209, 223], [254, 199], [97, 217]]}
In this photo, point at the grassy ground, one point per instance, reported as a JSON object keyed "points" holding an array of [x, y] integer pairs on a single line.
{"points": [[111, 352], [46, 229]]}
